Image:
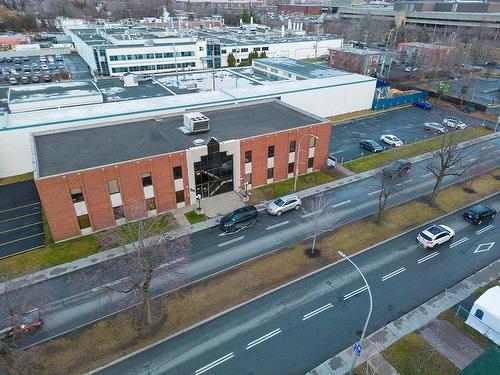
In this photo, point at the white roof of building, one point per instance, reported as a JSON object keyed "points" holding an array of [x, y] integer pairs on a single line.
{"points": [[490, 301]]}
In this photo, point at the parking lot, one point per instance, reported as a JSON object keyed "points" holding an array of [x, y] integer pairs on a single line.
{"points": [[407, 124], [21, 225], [33, 69]]}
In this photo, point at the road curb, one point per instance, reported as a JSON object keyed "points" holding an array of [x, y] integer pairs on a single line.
{"points": [[218, 315]]}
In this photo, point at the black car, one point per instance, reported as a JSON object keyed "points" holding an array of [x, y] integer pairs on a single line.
{"points": [[479, 213], [8, 59], [238, 219], [397, 168], [370, 145], [2, 59]]}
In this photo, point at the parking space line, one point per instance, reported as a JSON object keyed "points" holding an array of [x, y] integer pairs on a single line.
{"points": [[341, 203], [277, 225], [427, 257], [214, 363], [261, 339], [21, 227], [394, 273], [22, 239], [317, 311], [309, 214], [230, 241], [374, 192], [18, 207], [459, 242], [20, 217], [484, 229]]}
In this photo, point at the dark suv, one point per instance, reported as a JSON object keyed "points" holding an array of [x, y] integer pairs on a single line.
{"points": [[238, 219], [479, 213], [397, 169]]}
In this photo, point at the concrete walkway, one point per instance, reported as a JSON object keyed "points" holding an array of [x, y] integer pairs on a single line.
{"points": [[381, 339]]}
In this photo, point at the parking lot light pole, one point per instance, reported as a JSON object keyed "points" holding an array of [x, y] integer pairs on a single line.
{"points": [[369, 312], [297, 159]]}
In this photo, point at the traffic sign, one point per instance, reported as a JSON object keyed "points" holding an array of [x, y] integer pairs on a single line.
{"points": [[357, 348]]}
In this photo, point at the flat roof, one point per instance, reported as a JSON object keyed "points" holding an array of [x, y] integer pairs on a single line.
{"points": [[301, 67], [74, 150], [358, 51], [113, 90], [52, 91]]}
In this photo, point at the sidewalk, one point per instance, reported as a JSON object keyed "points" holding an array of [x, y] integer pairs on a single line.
{"points": [[421, 316], [63, 269]]}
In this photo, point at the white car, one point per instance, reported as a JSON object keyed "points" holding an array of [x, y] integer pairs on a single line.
{"points": [[44, 67], [453, 122], [408, 69], [283, 204], [435, 126], [435, 235], [391, 140]]}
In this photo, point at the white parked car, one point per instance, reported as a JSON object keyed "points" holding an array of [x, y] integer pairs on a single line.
{"points": [[391, 140], [408, 69], [435, 126], [435, 235], [283, 204], [453, 122], [45, 67]]}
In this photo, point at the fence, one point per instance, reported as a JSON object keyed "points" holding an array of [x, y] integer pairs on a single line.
{"points": [[488, 331], [399, 100]]}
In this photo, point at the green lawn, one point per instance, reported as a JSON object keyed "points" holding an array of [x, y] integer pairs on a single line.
{"points": [[413, 355], [285, 187], [408, 151], [193, 217]]}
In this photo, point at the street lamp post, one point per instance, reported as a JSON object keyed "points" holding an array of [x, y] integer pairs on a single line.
{"points": [[198, 198], [369, 312], [297, 159]]}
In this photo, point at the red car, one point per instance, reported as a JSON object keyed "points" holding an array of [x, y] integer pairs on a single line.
{"points": [[22, 323]]}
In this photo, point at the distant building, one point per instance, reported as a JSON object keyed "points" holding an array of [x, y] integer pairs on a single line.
{"points": [[447, 6], [8, 41], [356, 60], [425, 55], [310, 9]]}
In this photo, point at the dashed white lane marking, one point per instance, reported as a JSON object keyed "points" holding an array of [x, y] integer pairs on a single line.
{"points": [[459, 242], [426, 175], [355, 292], [341, 203], [263, 338], [394, 273], [317, 311], [426, 258], [214, 363], [277, 225], [231, 241], [484, 229], [405, 182], [309, 214], [374, 192]]}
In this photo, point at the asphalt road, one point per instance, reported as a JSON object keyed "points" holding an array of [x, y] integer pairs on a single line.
{"points": [[407, 124], [79, 298], [298, 327]]}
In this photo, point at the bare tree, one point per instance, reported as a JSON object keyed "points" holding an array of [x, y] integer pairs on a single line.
{"points": [[448, 160], [315, 209], [150, 248], [388, 186]]}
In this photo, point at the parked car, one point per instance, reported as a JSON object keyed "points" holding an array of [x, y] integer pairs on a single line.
{"points": [[59, 57], [35, 79], [2, 60], [12, 81], [397, 168], [43, 59], [25, 80], [17, 60], [8, 59], [331, 161], [479, 213], [5, 71], [60, 65], [22, 323], [283, 204], [52, 66], [435, 235], [453, 122], [370, 145], [47, 78], [45, 67], [26, 69], [18, 67], [424, 104], [50, 59], [26, 58], [35, 68], [408, 69], [435, 126], [238, 219], [391, 140]]}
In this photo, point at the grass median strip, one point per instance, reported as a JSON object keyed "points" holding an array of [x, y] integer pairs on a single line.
{"points": [[194, 218], [108, 339], [410, 150]]}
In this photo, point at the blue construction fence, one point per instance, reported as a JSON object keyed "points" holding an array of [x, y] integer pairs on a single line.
{"points": [[399, 100]]}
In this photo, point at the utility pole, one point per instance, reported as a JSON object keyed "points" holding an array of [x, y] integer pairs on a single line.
{"points": [[213, 66]]}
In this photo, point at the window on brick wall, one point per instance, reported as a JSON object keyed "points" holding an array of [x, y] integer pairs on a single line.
{"points": [[83, 221], [113, 187], [270, 173], [248, 156], [292, 146], [270, 151], [291, 167], [177, 172], [312, 142], [310, 162], [146, 179], [179, 196], [77, 195], [118, 212], [150, 204]]}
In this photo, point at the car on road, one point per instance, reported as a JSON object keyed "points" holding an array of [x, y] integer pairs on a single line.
{"points": [[424, 104], [479, 213], [397, 169], [435, 126], [435, 235], [12, 81], [283, 204], [391, 140], [22, 323], [370, 145], [453, 122], [331, 161], [239, 219]]}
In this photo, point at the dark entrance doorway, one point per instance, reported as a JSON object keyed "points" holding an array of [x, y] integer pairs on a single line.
{"points": [[214, 172]]}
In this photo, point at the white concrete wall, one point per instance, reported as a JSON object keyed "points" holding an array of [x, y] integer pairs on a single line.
{"points": [[62, 102]]}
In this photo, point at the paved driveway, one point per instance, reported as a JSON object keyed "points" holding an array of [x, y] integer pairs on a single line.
{"points": [[21, 226]]}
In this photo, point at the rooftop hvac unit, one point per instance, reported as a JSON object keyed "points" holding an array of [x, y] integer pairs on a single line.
{"points": [[196, 122], [191, 86]]}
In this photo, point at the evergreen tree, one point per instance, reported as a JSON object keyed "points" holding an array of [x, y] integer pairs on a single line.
{"points": [[231, 61], [263, 55]]}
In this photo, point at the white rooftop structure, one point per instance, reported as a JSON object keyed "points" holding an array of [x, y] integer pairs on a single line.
{"points": [[484, 316]]}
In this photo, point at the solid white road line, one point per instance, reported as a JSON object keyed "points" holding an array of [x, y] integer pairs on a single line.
{"points": [[374, 192], [426, 258], [392, 274], [263, 338], [277, 225], [484, 229], [426, 175], [214, 363], [459, 242], [341, 203], [355, 292], [231, 241], [317, 311]]}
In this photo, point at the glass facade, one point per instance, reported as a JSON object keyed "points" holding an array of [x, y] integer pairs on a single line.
{"points": [[214, 172]]}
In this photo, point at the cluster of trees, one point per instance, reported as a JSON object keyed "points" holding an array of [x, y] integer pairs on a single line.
{"points": [[11, 21], [233, 19], [231, 60]]}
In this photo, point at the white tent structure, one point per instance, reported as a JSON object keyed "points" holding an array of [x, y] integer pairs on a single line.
{"points": [[484, 316]]}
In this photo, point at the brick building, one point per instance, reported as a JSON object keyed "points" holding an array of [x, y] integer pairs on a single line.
{"points": [[426, 55], [310, 9], [93, 178], [356, 60]]}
